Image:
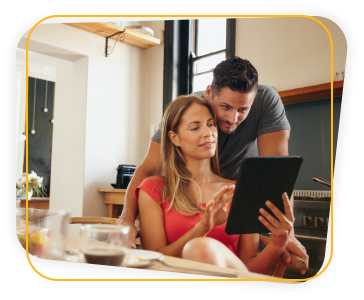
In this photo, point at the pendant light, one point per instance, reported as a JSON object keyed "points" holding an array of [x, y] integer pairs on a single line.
{"points": [[47, 72], [35, 93], [54, 92], [46, 92]]}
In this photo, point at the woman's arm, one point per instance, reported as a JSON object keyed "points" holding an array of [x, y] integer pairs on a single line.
{"points": [[152, 229], [265, 261]]}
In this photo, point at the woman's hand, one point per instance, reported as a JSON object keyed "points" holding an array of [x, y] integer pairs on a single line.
{"points": [[216, 212], [280, 229]]}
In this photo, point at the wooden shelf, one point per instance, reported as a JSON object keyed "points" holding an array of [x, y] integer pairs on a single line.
{"points": [[315, 92], [105, 29], [35, 203]]}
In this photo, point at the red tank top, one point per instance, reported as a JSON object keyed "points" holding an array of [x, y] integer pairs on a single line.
{"points": [[176, 225]]}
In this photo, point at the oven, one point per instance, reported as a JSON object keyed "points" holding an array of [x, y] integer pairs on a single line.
{"points": [[311, 212]]}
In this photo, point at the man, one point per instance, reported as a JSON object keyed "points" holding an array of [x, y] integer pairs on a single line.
{"points": [[251, 122]]}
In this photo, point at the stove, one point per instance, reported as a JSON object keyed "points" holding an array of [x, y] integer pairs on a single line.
{"points": [[311, 212]]}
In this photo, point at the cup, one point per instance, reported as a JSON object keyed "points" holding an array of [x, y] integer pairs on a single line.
{"points": [[46, 232], [103, 244], [37, 237]]}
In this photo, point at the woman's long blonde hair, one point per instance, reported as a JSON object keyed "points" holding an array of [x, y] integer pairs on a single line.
{"points": [[177, 191]]}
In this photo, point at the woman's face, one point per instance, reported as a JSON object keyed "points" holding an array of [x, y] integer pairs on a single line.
{"points": [[197, 133]]}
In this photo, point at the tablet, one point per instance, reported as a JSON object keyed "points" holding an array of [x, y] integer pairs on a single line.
{"points": [[260, 179]]}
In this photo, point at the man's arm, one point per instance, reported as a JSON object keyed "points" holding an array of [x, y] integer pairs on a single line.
{"points": [[150, 166], [273, 143], [276, 144]]}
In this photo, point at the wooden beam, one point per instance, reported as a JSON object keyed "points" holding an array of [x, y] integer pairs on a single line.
{"points": [[315, 92]]}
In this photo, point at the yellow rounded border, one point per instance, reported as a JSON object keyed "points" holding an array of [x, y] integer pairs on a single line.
{"points": [[179, 16]]}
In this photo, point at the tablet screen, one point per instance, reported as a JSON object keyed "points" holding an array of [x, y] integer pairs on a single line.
{"points": [[260, 179]]}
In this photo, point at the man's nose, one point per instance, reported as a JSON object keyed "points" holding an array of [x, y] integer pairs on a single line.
{"points": [[233, 117]]}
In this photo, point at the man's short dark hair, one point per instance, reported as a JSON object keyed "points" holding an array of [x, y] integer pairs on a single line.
{"points": [[236, 73]]}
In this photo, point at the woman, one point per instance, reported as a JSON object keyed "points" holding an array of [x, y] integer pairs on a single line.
{"points": [[183, 213]]}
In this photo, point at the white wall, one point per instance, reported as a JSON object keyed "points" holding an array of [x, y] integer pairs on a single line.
{"points": [[102, 110], [291, 53], [151, 111]]}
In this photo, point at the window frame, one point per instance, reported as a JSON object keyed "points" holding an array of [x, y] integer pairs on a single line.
{"points": [[229, 49]]}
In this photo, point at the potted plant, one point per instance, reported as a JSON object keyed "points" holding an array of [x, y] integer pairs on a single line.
{"points": [[35, 186]]}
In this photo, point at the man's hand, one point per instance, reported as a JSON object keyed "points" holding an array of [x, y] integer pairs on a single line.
{"points": [[133, 232], [294, 246]]}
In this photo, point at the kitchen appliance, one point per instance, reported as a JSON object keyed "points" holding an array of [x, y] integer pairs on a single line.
{"points": [[311, 212], [125, 173]]}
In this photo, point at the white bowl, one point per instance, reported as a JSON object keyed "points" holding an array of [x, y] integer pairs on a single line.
{"points": [[141, 29]]}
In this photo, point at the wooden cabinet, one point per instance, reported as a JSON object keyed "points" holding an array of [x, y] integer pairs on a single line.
{"points": [[114, 198], [39, 203], [314, 92]]}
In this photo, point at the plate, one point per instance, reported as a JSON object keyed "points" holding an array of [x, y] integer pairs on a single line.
{"points": [[141, 258], [73, 256]]}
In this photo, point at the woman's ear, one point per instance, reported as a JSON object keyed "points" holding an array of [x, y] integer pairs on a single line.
{"points": [[174, 138]]}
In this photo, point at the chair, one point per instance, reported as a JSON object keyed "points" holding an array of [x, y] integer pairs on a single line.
{"points": [[94, 220]]}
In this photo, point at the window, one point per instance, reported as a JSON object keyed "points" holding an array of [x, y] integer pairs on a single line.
{"points": [[210, 40], [192, 48]]}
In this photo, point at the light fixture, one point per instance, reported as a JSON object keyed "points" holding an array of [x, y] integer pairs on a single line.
{"points": [[54, 93], [45, 102], [35, 93]]}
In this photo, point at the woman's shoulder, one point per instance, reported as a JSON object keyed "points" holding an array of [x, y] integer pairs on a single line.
{"points": [[153, 186], [154, 179], [154, 182]]}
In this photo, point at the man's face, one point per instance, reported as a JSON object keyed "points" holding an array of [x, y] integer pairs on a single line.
{"points": [[231, 107]]}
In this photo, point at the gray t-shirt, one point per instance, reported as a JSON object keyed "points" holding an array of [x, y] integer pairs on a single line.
{"points": [[266, 115]]}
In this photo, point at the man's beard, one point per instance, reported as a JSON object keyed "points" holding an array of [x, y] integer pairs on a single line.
{"points": [[226, 130]]}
